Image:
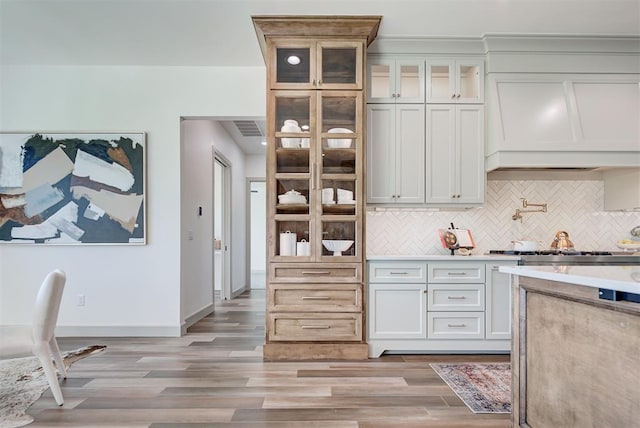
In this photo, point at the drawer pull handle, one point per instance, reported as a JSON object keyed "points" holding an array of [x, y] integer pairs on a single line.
{"points": [[315, 327], [456, 297], [456, 325], [398, 273], [315, 298], [316, 272], [456, 273]]}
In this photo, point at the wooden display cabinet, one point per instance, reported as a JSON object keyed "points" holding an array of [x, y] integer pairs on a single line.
{"points": [[315, 152]]}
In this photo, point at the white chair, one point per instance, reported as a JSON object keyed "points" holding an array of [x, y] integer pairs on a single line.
{"points": [[39, 339]]}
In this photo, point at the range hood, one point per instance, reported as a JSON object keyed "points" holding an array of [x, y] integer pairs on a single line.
{"points": [[573, 113]]}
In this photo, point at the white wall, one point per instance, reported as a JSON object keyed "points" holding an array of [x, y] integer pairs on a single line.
{"points": [[130, 290]]}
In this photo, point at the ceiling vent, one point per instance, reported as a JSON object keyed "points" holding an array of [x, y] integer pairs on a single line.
{"points": [[248, 128]]}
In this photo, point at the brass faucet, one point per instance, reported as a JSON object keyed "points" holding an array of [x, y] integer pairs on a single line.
{"points": [[518, 215]]}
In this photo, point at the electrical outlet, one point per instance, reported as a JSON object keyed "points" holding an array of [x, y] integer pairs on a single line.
{"points": [[80, 299]]}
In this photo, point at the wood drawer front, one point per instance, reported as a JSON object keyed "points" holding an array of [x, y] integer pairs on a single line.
{"points": [[455, 325], [302, 327], [299, 272], [460, 272], [315, 297], [455, 297], [397, 272]]}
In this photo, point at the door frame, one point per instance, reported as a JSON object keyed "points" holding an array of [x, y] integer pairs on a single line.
{"points": [[250, 180], [225, 263]]}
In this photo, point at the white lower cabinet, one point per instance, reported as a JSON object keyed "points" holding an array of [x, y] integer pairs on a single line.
{"points": [[498, 313], [436, 306], [398, 311], [456, 325]]}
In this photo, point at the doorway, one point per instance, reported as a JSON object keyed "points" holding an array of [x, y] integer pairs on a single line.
{"points": [[221, 228], [257, 249]]}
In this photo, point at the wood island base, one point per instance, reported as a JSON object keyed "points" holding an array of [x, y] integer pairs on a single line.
{"points": [[575, 357]]}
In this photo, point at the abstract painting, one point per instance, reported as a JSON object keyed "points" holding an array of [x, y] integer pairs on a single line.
{"points": [[72, 188]]}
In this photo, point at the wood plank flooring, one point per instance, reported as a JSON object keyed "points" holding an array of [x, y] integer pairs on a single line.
{"points": [[214, 376]]}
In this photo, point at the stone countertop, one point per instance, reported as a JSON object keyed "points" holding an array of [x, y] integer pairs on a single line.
{"points": [[442, 257], [618, 278]]}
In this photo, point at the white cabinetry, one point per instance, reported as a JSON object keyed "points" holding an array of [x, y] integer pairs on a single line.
{"points": [[563, 121], [455, 147], [498, 311], [395, 153], [397, 300], [459, 81], [460, 305], [391, 79]]}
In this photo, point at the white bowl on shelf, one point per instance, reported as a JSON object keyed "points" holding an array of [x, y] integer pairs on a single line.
{"points": [[292, 197], [339, 143], [337, 246]]}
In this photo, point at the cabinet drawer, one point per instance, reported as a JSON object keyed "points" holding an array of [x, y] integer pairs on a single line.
{"points": [[455, 325], [398, 272], [455, 297], [315, 297], [459, 272], [314, 327], [330, 273]]}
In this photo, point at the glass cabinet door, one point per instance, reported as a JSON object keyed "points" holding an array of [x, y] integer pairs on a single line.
{"points": [[410, 81], [455, 81], [292, 196], [470, 81], [340, 65], [392, 81], [340, 174], [295, 64], [316, 65], [441, 86]]}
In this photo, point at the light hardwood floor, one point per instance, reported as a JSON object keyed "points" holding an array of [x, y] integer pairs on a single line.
{"points": [[215, 377]]}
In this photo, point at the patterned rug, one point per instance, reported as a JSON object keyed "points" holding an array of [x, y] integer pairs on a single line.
{"points": [[22, 382], [484, 387]]}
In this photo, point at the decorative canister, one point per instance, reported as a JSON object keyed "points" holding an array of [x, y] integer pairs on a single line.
{"points": [[288, 243], [303, 248]]}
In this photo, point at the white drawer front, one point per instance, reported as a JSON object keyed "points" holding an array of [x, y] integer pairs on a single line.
{"points": [[455, 297], [398, 272], [455, 325], [459, 272]]}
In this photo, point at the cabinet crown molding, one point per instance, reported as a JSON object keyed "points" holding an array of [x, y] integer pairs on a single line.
{"points": [[561, 43]]}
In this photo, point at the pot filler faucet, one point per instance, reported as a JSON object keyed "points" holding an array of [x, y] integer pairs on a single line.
{"points": [[542, 208]]}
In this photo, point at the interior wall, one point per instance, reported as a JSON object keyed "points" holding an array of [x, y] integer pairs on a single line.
{"points": [[129, 290]]}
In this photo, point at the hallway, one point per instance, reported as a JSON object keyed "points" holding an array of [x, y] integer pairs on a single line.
{"points": [[214, 376]]}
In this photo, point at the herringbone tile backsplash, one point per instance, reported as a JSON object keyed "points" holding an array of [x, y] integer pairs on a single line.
{"points": [[573, 206]]}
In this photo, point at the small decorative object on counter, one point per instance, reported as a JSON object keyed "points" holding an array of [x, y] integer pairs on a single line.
{"points": [[562, 241], [456, 239]]}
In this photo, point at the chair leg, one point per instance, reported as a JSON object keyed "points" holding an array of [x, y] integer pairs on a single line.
{"points": [[43, 352], [57, 357]]}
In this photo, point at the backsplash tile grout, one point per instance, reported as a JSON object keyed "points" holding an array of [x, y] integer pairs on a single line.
{"points": [[574, 206]]}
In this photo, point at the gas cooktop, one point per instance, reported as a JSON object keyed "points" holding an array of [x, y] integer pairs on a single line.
{"points": [[572, 257], [552, 253]]}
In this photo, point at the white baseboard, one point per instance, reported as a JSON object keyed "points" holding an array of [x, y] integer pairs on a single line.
{"points": [[191, 320], [118, 331]]}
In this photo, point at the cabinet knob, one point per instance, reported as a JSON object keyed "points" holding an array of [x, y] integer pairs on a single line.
{"points": [[453, 96], [314, 82], [458, 96], [320, 84]]}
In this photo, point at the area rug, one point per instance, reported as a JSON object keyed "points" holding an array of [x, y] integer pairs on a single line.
{"points": [[483, 387], [22, 382]]}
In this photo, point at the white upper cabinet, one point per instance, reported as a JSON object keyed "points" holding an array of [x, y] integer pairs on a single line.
{"points": [[457, 81], [395, 154], [392, 80], [455, 143]]}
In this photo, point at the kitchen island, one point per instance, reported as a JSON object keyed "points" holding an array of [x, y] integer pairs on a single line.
{"points": [[575, 356]]}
